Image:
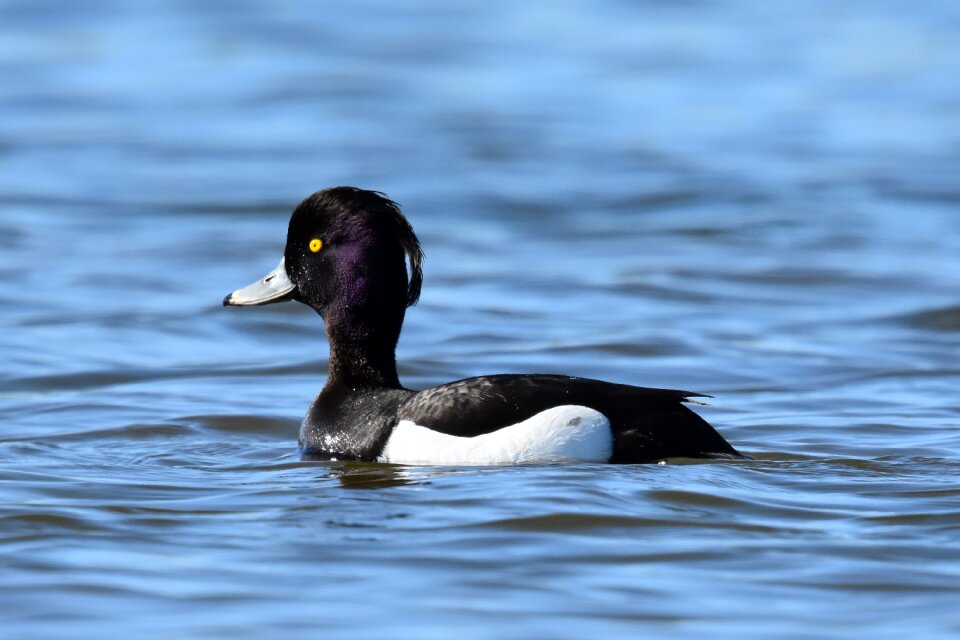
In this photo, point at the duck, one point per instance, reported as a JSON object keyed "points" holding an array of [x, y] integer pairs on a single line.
{"points": [[346, 256]]}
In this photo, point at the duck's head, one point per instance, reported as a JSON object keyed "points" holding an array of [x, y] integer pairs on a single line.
{"points": [[345, 257]]}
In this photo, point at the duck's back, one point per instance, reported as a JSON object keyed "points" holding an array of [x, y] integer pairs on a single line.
{"points": [[647, 424]]}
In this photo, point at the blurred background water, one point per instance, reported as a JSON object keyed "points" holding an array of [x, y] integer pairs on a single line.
{"points": [[749, 199]]}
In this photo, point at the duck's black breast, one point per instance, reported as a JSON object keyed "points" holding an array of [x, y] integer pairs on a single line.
{"points": [[648, 424], [350, 423]]}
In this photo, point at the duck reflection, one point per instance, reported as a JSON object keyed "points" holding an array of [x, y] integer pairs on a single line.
{"points": [[375, 475]]}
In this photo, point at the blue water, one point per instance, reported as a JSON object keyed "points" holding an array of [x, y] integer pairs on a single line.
{"points": [[755, 200]]}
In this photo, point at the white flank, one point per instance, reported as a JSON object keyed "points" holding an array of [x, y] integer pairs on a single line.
{"points": [[567, 433]]}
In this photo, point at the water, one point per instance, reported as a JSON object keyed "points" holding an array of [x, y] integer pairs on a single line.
{"points": [[748, 199]]}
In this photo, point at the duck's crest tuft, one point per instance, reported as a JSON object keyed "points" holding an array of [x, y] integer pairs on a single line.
{"points": [[352, 198]]}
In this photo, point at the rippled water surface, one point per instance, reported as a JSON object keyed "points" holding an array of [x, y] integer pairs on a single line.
{"points": [[759, 201]]}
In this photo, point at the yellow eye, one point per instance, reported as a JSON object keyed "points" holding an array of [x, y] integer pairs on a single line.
{"points": [[316, 244]]}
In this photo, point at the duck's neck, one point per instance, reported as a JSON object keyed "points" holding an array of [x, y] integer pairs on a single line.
{"points": [[361, 354]]}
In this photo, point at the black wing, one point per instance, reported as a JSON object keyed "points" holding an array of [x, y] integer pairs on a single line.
{"points": [[648, 424]]}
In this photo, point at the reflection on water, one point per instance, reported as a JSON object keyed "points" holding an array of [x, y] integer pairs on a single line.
{"points": [[751, 200], [365, 475]]}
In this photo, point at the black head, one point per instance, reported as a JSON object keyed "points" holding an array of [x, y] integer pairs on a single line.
{"points": [[345, 256], [347, 246]]}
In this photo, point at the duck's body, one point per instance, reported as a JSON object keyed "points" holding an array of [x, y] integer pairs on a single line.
{"points": [[507, 419], [345, 258]]}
